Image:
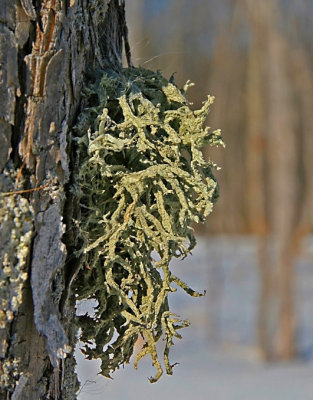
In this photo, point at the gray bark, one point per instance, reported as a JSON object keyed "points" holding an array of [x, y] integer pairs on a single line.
{"points": [[48, 49]]}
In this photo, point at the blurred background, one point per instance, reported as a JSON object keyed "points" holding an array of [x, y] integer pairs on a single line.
{"points": [[252, 335]]}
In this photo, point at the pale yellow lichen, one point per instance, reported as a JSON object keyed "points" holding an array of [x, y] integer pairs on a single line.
{"points": [[143, 182]]}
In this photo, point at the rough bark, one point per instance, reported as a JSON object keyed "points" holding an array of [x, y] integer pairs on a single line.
{"points": [[48, 50]]}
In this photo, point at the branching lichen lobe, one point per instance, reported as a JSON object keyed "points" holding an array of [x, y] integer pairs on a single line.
{"points": [[143, 182]]}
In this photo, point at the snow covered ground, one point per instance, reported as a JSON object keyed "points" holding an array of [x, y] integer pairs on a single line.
{"points": [[217, 356]]}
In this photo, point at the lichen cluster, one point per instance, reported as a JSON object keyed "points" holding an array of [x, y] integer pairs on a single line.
{"points": [[143, 183], [16, 221]]}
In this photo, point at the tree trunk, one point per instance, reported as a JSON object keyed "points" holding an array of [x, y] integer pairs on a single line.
{"points": [[48, 48], [272, 182]]}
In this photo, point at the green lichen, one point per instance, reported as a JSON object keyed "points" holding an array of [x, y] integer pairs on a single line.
{"points": [[143, 183]]}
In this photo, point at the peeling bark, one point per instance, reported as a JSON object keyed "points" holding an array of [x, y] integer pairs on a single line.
{"points": [[48, 49]]}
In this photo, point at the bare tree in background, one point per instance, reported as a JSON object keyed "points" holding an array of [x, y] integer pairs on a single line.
{"points": [[270, 163], [275, 197]]}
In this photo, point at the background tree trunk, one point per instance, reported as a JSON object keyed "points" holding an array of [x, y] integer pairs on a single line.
{"points": [[46, 48], [272, 183]]}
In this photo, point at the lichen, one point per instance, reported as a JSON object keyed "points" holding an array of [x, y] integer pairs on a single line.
{"points": [[16, 222], [143, 182]]}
